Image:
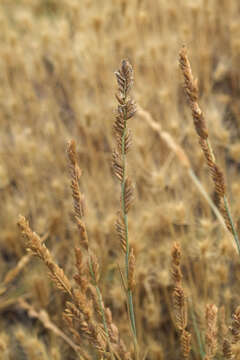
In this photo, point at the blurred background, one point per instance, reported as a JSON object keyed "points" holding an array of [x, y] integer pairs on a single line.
{"points": [[57, 63]]}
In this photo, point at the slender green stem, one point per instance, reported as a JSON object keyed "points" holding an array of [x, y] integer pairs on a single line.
{"points": [[235, 235], [197, 332], [207, 197], [131, 311], [210, 149], [125, 219]]}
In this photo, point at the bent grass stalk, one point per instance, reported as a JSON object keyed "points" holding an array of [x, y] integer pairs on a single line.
{"points": [[183, 159], [43, 317]]}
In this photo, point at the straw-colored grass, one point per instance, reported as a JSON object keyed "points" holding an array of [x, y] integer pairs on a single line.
{"points": [[133, 297]]}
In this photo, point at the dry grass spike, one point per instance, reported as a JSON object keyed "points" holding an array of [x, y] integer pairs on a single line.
{"points": [[180, 301], [78, 198], [235, 328], [125, 111], [211, 331], [191, 89], [35, 245]]}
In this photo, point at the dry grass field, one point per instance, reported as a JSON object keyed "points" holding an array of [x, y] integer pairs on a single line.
{"points": [[179, 275]]}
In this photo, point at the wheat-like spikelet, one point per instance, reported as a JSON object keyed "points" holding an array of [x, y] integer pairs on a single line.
{"points": [[79, 300], [81, 276], [180, 307], [227, 350], [78, 198], [235, 328], [117, 343], [232, 339], [81, 324], [34, 244], [211, 331], [180, 301], [223, 328], [121, 232], [191, 89], [185, 340], [125, 111], [113, 330]]}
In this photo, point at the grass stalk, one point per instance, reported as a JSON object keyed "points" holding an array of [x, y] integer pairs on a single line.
{"points": [[235, 235], [229, 220], [125, 217], [183, 160], [204, 193], [192, 93], [126, 109], [99, 297]]}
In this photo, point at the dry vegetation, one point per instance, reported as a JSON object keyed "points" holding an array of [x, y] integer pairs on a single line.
{"points": [[178, 262]]}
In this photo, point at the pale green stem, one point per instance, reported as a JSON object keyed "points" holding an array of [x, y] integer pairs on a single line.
{"points": [[235, 235], [207, 197], [197, 332], [125, 219], [131, 311]]}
